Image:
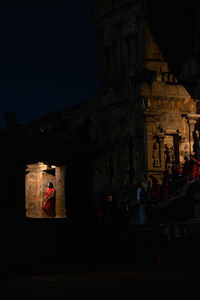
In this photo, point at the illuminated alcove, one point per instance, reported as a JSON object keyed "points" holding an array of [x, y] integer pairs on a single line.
{"points": [[37, 177]]}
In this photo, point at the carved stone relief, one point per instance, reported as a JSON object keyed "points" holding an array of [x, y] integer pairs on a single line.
{"points": [[156, 154]]}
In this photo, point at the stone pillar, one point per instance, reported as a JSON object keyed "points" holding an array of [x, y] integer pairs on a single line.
{"points": [[150, 121], [162, 150], [149, 141], [34, 190], [60, 192], [192, 123]]}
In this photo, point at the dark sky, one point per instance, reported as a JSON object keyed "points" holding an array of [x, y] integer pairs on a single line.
{"points": [[48, 56]]}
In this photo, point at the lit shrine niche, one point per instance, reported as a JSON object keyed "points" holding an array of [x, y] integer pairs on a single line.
{"points": [[37, 177]]}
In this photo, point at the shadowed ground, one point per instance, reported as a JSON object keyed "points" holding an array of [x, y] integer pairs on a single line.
{"points": [[51, 261], [59, 286]]}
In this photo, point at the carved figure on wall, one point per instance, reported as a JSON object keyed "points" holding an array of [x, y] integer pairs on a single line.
{"points": [[196, 138], [169, 158], [156, 154]]}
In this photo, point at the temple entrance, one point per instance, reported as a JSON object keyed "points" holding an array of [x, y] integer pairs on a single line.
{"points": [[171, 142], [37, 177]]}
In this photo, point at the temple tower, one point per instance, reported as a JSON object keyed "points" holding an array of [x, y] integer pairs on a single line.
{"points": [[147, 111]]}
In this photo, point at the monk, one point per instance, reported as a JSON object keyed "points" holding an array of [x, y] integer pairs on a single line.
{"points": [[50, 201]]}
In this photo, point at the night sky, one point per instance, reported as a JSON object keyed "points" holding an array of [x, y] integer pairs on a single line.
{"points": [[48, 56]]}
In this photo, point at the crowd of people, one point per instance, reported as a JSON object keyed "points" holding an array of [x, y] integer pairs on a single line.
{"points": [[149, 191]]}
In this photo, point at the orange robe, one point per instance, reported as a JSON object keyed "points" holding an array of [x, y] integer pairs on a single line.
{"points": [[49, 202]]}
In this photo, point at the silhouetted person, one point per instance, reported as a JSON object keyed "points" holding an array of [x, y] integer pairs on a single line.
{"points": [[195, 169], [186, 169], [196, 138], [155, 189], [147, 189], [140, 193], [165, 186], [109, 206], [176, 172]]}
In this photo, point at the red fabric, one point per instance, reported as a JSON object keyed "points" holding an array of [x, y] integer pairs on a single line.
{"points": [[198, 172], [49, 202], [194, 171], [196, 168], [179, 170]]}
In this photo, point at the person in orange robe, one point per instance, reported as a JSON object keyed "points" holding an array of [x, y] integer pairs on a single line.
{"points": [[50, 201]]}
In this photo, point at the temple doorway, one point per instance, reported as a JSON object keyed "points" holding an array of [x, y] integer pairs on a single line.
{"points": [[36, 180], [172, 155]]}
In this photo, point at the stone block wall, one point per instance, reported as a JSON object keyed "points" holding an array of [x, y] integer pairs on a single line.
{"points": [[37, 177]]}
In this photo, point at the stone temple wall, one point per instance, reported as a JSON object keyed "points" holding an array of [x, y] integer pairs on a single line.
{"points": [[144, 111], [148, 112]]}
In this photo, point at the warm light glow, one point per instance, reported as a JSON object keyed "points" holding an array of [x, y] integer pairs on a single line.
{"points": [[37, 177], [50, 166]]}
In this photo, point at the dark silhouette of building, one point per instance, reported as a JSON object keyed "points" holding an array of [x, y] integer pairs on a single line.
{"points": [[139, 122]]}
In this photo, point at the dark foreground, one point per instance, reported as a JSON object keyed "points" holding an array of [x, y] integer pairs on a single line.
{"points": [[60, 286], [54, 259]]}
